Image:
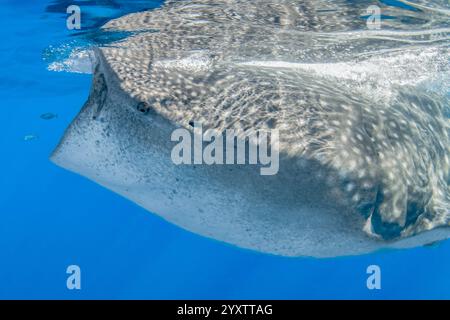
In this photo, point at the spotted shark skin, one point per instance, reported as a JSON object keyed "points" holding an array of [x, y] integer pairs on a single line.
{"points": [[364, 151]]}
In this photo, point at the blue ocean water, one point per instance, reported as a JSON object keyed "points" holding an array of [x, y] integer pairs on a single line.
{"points": [[51, 218]]}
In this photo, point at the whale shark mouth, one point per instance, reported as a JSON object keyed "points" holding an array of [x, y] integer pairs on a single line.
{"points": [[363, 117]]}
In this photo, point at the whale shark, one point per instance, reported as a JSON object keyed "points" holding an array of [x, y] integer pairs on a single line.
{"points": [[362, 116]]}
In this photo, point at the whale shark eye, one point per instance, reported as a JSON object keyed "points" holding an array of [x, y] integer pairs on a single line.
{"points": [[143, 107], [146, 107]]}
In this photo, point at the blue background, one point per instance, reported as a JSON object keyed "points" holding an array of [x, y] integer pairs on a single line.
{"points": [[51, 218]]}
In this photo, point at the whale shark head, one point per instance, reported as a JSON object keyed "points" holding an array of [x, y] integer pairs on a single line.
{"points": [[363, 123]]}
